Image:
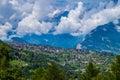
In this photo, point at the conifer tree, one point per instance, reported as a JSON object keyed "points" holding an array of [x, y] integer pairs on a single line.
{"points": [[115, 67], [90, 72]]}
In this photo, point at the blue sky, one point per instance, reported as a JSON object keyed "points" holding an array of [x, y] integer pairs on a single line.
{"points": [[25, 17]]}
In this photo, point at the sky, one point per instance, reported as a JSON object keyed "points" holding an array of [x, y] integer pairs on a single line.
{"points": [[25, 17]]}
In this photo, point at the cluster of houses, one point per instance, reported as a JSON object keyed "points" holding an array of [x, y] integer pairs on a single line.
{"points": [[75, 58]]}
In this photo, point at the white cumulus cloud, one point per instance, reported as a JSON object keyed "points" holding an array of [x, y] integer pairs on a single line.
{"points": [[31, 25], [118, 28], [35, 16], [75, 25], [4, 29], [72, 22]]}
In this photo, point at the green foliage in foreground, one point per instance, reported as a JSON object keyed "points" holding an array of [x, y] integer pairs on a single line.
{"points": [[91, 72], [8, 72], [4, 56], [51, 70], [115, 67]]}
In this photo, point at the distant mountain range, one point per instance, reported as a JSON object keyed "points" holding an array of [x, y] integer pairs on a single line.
{"points": [[104, 38]]}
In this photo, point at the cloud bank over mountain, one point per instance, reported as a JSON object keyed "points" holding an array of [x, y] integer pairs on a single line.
{"points": [[25, 17]]}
